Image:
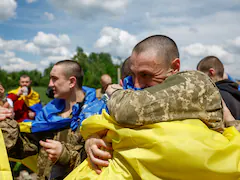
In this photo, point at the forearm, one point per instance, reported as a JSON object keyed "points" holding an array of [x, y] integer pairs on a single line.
{"points": [[18, 145]]}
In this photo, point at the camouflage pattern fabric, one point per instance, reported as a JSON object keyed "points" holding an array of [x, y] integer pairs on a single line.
{"points": [[185, 95], [21, 145]]}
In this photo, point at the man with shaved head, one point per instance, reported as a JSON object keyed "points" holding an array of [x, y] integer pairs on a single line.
{"points": [[54, 133], [214, 68], [166, 95], [104, 81]]}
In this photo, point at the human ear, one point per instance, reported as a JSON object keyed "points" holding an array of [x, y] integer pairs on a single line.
{"points": [[211, 72], [175, 65], [73, 81]]}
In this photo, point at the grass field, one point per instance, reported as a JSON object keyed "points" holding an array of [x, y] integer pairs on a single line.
{"points": [[42, 92]]}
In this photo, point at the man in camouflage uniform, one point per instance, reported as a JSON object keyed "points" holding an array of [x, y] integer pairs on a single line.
{"points": [[59, 149], [167, 95]]}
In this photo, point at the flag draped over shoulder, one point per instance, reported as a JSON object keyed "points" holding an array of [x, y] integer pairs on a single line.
{"points": [[183, 150], [5, 171], [49, 119], [32, 100]]}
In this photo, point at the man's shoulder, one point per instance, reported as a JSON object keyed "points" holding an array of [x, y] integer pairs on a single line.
{"points": [[13, 91], [193, 77]]}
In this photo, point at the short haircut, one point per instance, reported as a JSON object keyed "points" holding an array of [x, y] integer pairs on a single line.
{"points": [[25, 76], [125, 69], [164, 46], [105, 78], [72, 68], [211, 62]]}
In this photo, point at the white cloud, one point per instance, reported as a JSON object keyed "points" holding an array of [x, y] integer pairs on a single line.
{"points": [[7, 9], [51, 40], [11, 44], [50, 46], [90, 8], [10, 62], [52, 59], [199, 50], [31, 1], [115, 41], [62, 51], [49, 16]]}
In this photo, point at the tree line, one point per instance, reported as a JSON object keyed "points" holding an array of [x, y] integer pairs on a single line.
{"points": [[94, 65]]}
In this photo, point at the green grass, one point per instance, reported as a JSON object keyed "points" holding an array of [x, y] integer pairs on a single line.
{"points": [[42, 92]]}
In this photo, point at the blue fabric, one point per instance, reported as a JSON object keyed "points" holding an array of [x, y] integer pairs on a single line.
{"points": [[36, 107], [128, 83], [47, 119]]}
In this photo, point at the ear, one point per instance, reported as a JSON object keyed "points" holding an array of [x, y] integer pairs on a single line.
{"points": [[211, 72], [175, 65], [73, 81]]}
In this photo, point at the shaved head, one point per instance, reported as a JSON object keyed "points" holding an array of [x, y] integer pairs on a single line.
{"points": [[162, 46], [106, 79]]}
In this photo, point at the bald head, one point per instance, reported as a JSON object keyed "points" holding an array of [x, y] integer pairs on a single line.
{"points": [[162, 46], [105, 80]]}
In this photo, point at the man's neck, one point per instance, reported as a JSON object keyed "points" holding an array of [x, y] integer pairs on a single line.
{"points": [[216, 79], [76, 96]]}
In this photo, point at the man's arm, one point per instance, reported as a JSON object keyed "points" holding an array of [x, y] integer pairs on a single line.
{"points": [[186, 95], [18, 145]]}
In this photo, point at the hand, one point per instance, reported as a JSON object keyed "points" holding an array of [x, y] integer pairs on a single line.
{"points": [[53, 148], [97, 157], [6, 113], [31, 115], [20, 91], [112, 88]]}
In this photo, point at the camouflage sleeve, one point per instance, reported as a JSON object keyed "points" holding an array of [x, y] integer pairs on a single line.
{"points": [[73, 153], [18, 145], [185, 95]]}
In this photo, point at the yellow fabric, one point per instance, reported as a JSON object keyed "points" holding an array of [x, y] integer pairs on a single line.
{"points": [[25, 127], [30, 162], [179, 150], [31, 99], [5, 171]]}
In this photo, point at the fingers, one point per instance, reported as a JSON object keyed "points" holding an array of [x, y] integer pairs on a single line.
{"points": [[46, 145], [99, 161], [94, 166]]}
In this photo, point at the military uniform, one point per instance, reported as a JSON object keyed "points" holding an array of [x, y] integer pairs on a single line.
{"points": [[24, 145], [185, 95]]}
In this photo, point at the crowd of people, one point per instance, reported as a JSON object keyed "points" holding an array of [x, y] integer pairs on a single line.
{"points": [[130, 130]]}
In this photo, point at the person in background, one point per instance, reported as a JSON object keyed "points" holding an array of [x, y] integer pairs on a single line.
{"points": [[26, 101], [214, 68], [54, 133], [104, 81]]}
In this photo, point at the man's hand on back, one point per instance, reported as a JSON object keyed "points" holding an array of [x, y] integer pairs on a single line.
{"points": [[97, 157], [112, 88]]}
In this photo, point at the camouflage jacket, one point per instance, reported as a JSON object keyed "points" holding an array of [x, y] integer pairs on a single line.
{"points": [[21, 145], [185, 95]]}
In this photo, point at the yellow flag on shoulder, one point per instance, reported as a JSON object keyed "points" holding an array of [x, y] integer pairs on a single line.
{"points": [[180, 150]]}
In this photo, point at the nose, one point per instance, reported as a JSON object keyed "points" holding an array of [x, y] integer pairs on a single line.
{"points": [[50, 83]]}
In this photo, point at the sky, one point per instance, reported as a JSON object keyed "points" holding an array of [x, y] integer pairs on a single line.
{"points": [[35, 33]]}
